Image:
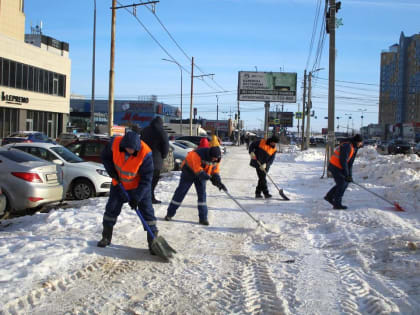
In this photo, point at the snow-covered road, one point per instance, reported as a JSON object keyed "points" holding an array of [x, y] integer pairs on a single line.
{"points": [[315, 260]]}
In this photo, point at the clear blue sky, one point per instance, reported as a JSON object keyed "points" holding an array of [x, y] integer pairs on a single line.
{"points": [[227, 36]]}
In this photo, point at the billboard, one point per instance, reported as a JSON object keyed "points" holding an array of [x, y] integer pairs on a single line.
{"points": [[280, 119], [267, 86]]}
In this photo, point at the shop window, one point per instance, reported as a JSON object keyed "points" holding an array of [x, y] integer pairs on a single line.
{"points": [[5, 74], [30, 78], [12, 74], [19, 76], [36, 79], [46, 73], [50, 82]]}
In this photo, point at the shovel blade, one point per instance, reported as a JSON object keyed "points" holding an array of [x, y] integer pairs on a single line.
{"points": [[283, 195], [162, 249]]}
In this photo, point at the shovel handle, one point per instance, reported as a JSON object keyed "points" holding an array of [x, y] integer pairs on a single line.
{"points": [[240, 206], [143, 221], [373, 193]]}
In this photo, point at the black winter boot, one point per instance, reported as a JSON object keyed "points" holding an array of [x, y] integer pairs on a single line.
{"points": [[329, 199], [267, 195], [150, 241], [339, 206], [106, 236], [258, 196]]}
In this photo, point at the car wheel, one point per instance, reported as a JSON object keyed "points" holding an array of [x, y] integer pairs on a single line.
{"points": [[82, 189], [6, 212]]}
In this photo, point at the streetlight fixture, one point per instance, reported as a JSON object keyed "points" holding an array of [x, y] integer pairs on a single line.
{"points": [[362, 110], [92, 103], [180, 69]]}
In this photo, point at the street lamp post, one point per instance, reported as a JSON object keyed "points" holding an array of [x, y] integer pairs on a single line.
{"points": [[348, 120], [92, 103], [362, 110], [180, 69], [309, 106]]}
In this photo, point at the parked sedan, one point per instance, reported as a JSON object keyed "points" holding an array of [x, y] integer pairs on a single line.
{"points": [[27, 181], [68, 137], [400, 146], [90, 150], [187, 143], [417, 149], [180, 153], [26, 136], [81, 179], [3, 212]]}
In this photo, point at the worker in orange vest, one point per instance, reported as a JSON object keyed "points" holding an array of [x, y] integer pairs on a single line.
{"points": [[129, 162], [199, 166], [262, 153], [340, 166]]}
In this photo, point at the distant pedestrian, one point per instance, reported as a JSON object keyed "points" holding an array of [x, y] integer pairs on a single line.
{"points": [[199, 166], [204, 143], [215, 141], [341, 167], [129, 162], [157, 139], [262, 154]]}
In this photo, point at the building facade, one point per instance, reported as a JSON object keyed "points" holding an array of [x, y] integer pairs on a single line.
{"points": [[34, 76], [399, 97], [126, 112]]}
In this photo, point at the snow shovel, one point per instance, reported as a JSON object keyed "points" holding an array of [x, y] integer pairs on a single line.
{"points": [[259, 222], [395, 204], [159, 245], [279, 189]]}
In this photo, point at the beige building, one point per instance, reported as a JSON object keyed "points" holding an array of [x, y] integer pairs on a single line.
{"points": [[34, 76]]}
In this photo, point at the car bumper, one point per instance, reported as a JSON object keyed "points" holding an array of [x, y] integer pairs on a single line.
{"points": [[103, 188], [37, 196]]}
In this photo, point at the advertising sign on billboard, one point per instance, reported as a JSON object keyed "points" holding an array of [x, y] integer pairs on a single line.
{"points": [[283, 119], [267, 86]]}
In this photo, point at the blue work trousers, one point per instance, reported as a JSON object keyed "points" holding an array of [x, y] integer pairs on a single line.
{"points": [[185, 183], [115, 203], [336, 193]]}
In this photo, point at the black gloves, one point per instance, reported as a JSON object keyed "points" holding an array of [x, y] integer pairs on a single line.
{"points": [[221, 186], [348, 179], [133, 204], [203, 176]]}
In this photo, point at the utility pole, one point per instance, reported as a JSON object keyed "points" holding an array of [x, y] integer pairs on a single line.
{"points": [[267, 110], [111, 72], [298, 130], [217, 115], [302, 146], [92, 103], [308, 111], [239, 117], [112, 61], [331, 76], [191, 96]]}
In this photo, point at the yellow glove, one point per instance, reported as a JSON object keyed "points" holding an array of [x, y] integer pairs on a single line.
{"points": [[262, 167]]}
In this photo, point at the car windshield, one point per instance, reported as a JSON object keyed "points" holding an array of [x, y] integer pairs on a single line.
{"points": [[67, 155], [183, 146], [19, 156], [20, 135]]}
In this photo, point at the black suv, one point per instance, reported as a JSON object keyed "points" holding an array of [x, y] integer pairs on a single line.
{"points": [[400, 146]]}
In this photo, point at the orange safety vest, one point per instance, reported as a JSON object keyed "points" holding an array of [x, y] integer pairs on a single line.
{"points": [[267, 148], [195, 164], [128, 169], [335, 157]]}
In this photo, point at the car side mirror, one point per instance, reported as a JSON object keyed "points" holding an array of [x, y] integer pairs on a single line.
{"points": [[58, 162]]}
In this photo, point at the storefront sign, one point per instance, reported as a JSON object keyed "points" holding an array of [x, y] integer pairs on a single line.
{"points": [[13, 99]]}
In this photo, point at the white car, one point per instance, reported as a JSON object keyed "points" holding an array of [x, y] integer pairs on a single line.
{"points": [[81, 179], [187, 143], [180, 153]]}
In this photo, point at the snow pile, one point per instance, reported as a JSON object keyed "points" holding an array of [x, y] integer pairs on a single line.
{"points": [[401, 173], [295, 155]]}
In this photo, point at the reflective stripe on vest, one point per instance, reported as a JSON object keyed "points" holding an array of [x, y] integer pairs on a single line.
{"points": [[128, 169], [267, 148], [335, 157]]}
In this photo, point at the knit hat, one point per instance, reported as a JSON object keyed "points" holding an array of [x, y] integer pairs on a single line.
{"points": [[274, 139], [215, 152], [357, 138]]}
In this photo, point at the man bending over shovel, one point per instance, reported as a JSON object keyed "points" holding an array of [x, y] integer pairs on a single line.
{"points": [[262, 154], [199, 166], [129, 162]]}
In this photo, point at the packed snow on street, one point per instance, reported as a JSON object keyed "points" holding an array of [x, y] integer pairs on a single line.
{"points": [[309, 258]]}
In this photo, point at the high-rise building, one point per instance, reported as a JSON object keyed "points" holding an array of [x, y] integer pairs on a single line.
{"points": [[399, 96], [34, 76]]}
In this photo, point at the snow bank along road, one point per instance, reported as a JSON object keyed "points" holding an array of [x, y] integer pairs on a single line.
{"points": [[315, 261]]}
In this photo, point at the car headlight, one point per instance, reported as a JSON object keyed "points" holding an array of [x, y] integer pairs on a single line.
{"points": [[102, 172]]}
